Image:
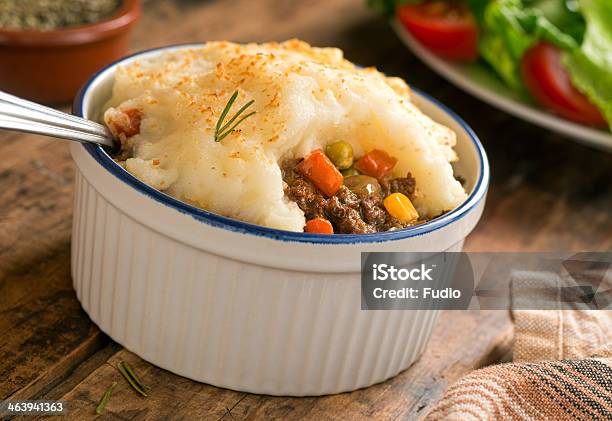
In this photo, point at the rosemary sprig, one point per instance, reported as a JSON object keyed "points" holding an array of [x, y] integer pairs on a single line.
{"points": [[221, 129], [129, 375], [132, 374], [105, 398]]}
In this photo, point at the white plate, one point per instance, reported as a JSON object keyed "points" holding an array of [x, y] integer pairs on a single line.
{"points": [[482, 83]]}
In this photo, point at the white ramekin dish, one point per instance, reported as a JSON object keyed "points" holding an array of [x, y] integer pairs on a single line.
{"points": [[238, 305]]}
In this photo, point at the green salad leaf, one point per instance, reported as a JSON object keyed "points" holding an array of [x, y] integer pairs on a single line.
{"points": [[590, 65], [478, 8], [563, 14], [503, 40], [510, 27]]}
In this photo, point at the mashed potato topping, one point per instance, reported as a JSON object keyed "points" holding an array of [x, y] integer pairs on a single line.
{"points": [[304, 98]]}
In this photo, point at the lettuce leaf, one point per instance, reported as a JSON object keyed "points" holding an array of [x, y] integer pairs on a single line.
{"points": [[563, 14], [478, 8], [503, 40], [510, 27], [590, 65]]}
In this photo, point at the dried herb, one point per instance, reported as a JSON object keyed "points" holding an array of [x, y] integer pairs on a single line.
{"points": [[222, 130], [131, 377], [105, 398], [45, 15], [132, 374]]}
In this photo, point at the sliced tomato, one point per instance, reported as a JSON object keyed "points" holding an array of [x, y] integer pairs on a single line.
{"points": [[447, 28], [550, 84]]}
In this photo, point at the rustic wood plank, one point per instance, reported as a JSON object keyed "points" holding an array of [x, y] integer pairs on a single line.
{"points": [[476, 338], [44, 331], [71, 378], [68, 378], [171, 395]]}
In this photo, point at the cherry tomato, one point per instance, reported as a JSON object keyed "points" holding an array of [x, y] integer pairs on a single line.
{"points": [[376, 163], [447, 28], [549, 82], [319, 226]]}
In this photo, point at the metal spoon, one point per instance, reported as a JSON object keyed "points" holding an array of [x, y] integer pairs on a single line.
{"points": [[25, 116]]}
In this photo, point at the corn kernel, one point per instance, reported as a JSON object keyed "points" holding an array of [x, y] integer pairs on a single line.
{"points": [[400, 207]]}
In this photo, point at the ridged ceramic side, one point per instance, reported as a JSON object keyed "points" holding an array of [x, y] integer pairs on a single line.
{"points": [[228, 323]]}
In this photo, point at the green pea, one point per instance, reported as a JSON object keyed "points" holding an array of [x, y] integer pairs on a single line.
{"points": [[341, 154], [349, 172]]}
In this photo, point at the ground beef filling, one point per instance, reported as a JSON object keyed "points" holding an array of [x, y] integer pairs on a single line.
{"points": [[349, 213]]}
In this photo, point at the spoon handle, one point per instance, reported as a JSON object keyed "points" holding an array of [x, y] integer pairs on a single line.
{"points": [[25, 116]]}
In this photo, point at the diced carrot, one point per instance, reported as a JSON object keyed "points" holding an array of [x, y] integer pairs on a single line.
{"points": [[322, 172], [319, 226], [376, 163]]}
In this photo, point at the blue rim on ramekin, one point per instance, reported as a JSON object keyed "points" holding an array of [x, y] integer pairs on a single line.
{"points": [[235, 225]]}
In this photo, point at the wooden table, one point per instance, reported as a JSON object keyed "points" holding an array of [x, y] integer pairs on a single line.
{"points": [[547, 193]]}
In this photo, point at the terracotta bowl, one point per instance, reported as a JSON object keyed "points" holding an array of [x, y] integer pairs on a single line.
{"points": [[50, 66]]}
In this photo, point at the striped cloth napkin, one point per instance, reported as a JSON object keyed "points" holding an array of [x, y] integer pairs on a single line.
{"points": [[562, 370]]}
